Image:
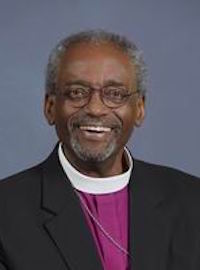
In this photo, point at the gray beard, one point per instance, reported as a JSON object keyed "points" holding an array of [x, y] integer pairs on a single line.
{"points": [[87, 155]]}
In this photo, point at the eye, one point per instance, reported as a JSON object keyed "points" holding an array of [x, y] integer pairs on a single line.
{"points": [[115, 93], [76, 92]]}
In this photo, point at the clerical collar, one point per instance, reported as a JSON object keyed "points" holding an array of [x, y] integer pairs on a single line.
{"points": [[95, 185]]}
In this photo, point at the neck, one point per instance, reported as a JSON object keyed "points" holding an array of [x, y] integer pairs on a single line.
{"points": [[115, 165]]}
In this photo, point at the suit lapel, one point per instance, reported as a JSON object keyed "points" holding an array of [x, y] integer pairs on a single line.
{"points": [[149, 225], [67, 228]]}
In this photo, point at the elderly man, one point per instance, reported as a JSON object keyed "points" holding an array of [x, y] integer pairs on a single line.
{"points": [[90, 205]]}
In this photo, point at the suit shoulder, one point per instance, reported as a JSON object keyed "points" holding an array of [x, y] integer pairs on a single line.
{"points": [[165, 173], [24, 182], [21, 176], [175, 184]]}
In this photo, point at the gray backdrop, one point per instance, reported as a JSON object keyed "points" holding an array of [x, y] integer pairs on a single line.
{"points": [[166, 30]]}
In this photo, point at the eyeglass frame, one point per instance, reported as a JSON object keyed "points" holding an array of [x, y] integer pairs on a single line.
{"points": [[91, 89]]}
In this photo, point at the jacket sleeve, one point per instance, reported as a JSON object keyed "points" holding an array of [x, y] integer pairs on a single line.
{"points": [[3, 267], [2, 260], [2, 264]]}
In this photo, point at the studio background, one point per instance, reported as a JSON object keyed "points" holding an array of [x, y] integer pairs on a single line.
{"points": [[168, 33]]}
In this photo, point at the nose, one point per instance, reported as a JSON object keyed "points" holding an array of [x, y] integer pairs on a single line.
{"points": [[95, 105]]}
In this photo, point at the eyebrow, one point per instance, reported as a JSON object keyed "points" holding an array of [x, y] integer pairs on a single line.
{"points": [[80, 82], [88, 84]]}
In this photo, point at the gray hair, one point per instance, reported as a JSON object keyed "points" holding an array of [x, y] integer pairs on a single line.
{"points": [[96, 37]]}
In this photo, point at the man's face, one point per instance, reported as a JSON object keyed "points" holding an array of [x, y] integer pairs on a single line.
{"points": [[94, 132]]}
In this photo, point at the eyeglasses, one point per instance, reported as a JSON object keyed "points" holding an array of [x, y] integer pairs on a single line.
{"points": [[80, 95]]}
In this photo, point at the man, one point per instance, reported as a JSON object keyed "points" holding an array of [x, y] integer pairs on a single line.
{"points": [[90, 205]]}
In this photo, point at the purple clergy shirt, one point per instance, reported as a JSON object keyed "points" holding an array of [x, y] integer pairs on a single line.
{"points": [[111, 210]]}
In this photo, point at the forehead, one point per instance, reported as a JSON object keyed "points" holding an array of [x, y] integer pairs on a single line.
{"points": [[95, 63]]}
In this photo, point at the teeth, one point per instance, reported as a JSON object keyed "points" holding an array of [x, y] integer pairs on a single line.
{"points": [[97, 129]]}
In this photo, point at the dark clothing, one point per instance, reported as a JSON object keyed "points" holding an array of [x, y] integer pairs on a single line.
{"points": [[42, 226]]}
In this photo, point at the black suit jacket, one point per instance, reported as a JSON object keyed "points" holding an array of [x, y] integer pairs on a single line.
{"points": [[42, 226]]}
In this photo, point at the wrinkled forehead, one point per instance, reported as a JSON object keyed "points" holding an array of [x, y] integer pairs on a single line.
{"points": [[103, 68], [96, 63]]}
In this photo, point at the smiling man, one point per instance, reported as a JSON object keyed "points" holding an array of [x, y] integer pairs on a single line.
{"points": [[95, 106], [90, 205]]}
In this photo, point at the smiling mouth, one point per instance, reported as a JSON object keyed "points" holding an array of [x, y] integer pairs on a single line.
{"points": [[95, 129], [95, 133]]}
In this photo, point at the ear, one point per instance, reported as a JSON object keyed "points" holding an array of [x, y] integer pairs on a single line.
{"points": [[49, 108], [140, 114]]}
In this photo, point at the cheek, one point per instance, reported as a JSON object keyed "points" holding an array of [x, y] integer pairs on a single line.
{"points": [[63, 114], [128, 117]]}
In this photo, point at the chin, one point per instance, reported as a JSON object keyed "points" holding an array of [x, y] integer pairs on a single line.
{"points": [[93, 155]]}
